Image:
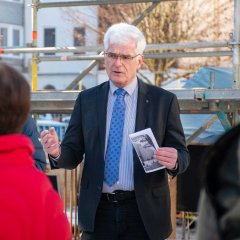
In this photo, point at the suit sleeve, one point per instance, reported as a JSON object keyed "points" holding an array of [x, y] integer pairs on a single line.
{"points": [[72, 146], [175, 137]]}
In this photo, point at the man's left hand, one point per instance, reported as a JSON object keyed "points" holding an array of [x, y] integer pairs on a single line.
{"points": [[167, 156]]}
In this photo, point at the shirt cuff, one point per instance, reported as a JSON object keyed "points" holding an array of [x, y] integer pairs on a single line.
{"points": [[176, 166], [56, 158]]}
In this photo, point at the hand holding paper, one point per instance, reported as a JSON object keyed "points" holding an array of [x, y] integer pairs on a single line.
{"points": [[167, 156], [145, 145]]}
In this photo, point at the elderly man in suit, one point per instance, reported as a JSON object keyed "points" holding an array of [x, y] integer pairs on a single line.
{"points": [[118, 200]]}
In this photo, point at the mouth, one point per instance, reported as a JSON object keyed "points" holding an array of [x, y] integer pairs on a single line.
{"points": [[117, 72]]}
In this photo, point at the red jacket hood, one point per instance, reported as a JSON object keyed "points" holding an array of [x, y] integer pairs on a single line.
{"points": [[14, 147]]}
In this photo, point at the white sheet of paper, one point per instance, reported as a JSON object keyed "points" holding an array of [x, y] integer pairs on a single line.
{"points": [[145, 145]]}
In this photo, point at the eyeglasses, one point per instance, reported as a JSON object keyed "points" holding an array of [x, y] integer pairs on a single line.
{"points": [[123, 57]]}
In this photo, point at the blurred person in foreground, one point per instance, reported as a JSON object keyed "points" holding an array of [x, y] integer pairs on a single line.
{"points": [[121, 201], [29, 206], [219, 205]]}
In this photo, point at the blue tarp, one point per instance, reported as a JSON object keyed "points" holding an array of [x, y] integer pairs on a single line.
{"points": [[223, 78], [202, 79]]}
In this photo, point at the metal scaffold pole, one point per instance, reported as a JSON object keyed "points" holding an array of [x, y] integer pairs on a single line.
{"points": [[94, 2], [34, 44], [236, 44], [99, 48], [236, 55]]}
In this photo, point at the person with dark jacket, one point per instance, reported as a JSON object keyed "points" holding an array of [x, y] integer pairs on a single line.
{"points": [[30, 130]]}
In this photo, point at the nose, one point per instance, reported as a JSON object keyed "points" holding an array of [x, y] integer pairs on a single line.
{"points": [[118, 61]]}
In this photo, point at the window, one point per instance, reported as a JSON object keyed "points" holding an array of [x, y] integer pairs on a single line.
{"points": [[3, 37], [16, 38], [78, 37], [49, 38]]}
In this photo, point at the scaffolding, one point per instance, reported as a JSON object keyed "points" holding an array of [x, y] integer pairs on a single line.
{"points": [[223, 103], [192, 101]]}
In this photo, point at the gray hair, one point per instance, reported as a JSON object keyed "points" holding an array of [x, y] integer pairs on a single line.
{"points": [[120, 33]]}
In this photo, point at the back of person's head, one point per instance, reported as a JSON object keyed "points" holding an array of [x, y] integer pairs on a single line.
{"points": [[222, 186], [14, 100], [121, 33]]}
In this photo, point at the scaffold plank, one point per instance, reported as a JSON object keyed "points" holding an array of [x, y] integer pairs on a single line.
{"points": [[190, 100]]}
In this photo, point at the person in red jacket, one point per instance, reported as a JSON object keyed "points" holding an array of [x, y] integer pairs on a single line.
{"points": [[29, 206]]}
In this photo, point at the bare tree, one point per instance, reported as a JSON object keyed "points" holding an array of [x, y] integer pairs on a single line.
{"points": [[207, 21], [169, 22]]}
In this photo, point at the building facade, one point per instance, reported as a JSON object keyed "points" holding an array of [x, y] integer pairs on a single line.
{"points": [[55, 29]]}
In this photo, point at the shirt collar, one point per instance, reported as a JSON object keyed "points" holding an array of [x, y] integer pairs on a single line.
{"points": [[129, 88]]}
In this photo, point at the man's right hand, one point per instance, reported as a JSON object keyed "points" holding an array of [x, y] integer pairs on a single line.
{"points": [[49, 140]]}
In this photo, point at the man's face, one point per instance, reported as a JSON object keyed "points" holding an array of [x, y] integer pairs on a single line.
{"points": [[122, 69]]}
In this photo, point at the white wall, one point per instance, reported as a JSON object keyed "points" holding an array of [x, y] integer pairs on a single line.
{"points": [[59, 73]]}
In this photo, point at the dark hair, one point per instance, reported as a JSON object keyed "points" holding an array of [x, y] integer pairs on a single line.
{"points": [[14, 100], [222, 182], [224, 150]]}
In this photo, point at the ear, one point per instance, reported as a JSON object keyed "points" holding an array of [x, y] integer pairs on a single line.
{"points": [[140, 61]]}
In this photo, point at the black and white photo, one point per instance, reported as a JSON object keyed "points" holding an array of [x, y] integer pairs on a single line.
{"points": [[145, 145]]}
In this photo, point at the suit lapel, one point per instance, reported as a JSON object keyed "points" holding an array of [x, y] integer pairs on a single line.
{"points": [[142, 106], [141, 120], [102, 98]]}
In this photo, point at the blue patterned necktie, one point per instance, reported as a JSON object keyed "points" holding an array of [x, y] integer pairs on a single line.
{"points": [[115, 136]]}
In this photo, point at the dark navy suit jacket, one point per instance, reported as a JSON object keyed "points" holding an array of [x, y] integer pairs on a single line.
{"points": [[157, 109]]}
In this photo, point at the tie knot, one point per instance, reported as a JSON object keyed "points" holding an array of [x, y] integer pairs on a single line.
{"points": [[120, 91]]}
